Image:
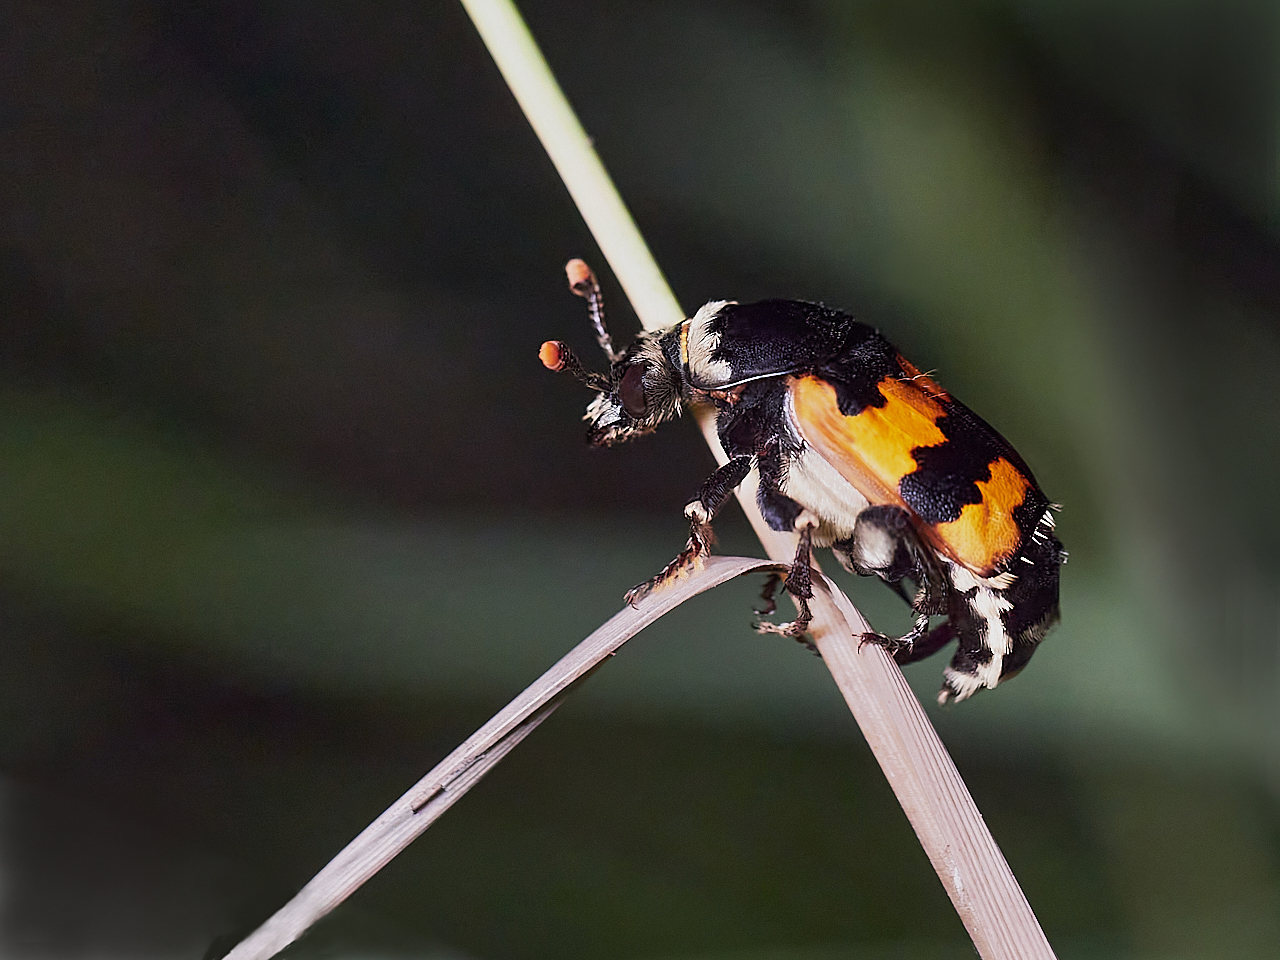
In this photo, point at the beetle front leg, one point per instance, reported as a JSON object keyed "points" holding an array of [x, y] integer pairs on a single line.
{"points": [[700, 511]]}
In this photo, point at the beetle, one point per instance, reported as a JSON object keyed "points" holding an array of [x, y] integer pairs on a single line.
{"points": [[856, 450]]}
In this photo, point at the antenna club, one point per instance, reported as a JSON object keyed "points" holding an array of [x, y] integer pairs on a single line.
{"points": [[581, 279], [552, 354]]}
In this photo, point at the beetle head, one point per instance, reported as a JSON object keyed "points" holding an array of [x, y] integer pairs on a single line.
{"points": [[642, 388], [643, 391]]}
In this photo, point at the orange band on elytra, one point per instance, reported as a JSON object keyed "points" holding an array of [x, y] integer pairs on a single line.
{"points": [[871, 450], [874, 451], [985, 533]]}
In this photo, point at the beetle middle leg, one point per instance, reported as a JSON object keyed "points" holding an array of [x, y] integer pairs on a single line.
{"points": [[768, 594], [700, 511], [799, 583]]}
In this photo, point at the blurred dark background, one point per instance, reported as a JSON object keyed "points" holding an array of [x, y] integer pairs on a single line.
{"points": [[289, 506]]}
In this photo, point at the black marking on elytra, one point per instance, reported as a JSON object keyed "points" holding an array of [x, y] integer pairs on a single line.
{"points": [[1034, 594], [1028, 514], [857, 376], [946, 477]]}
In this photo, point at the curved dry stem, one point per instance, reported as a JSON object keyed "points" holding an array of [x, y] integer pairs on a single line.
{"points": [[406, 819]]}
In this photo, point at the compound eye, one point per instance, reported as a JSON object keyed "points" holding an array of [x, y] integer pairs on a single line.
{"points": [[631, 390]]}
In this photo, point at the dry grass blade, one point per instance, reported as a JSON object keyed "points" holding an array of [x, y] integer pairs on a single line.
{"points": [[406, 819]]}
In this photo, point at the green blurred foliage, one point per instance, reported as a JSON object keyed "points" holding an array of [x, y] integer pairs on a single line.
{"points": [[287, 505]]}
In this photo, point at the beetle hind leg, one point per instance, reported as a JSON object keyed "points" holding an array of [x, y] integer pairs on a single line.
{"points": [[918, 642], [885, 544], [927, 645], [903, 646]]}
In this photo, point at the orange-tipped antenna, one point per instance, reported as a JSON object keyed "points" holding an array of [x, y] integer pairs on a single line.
{"points": [[557, 357], [552, 354], [583, 282]]}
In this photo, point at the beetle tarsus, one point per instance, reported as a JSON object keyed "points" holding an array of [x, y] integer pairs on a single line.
{"points": [[687, 560], [699, 511], [768, 595], [900, 648], [927, 645]]}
